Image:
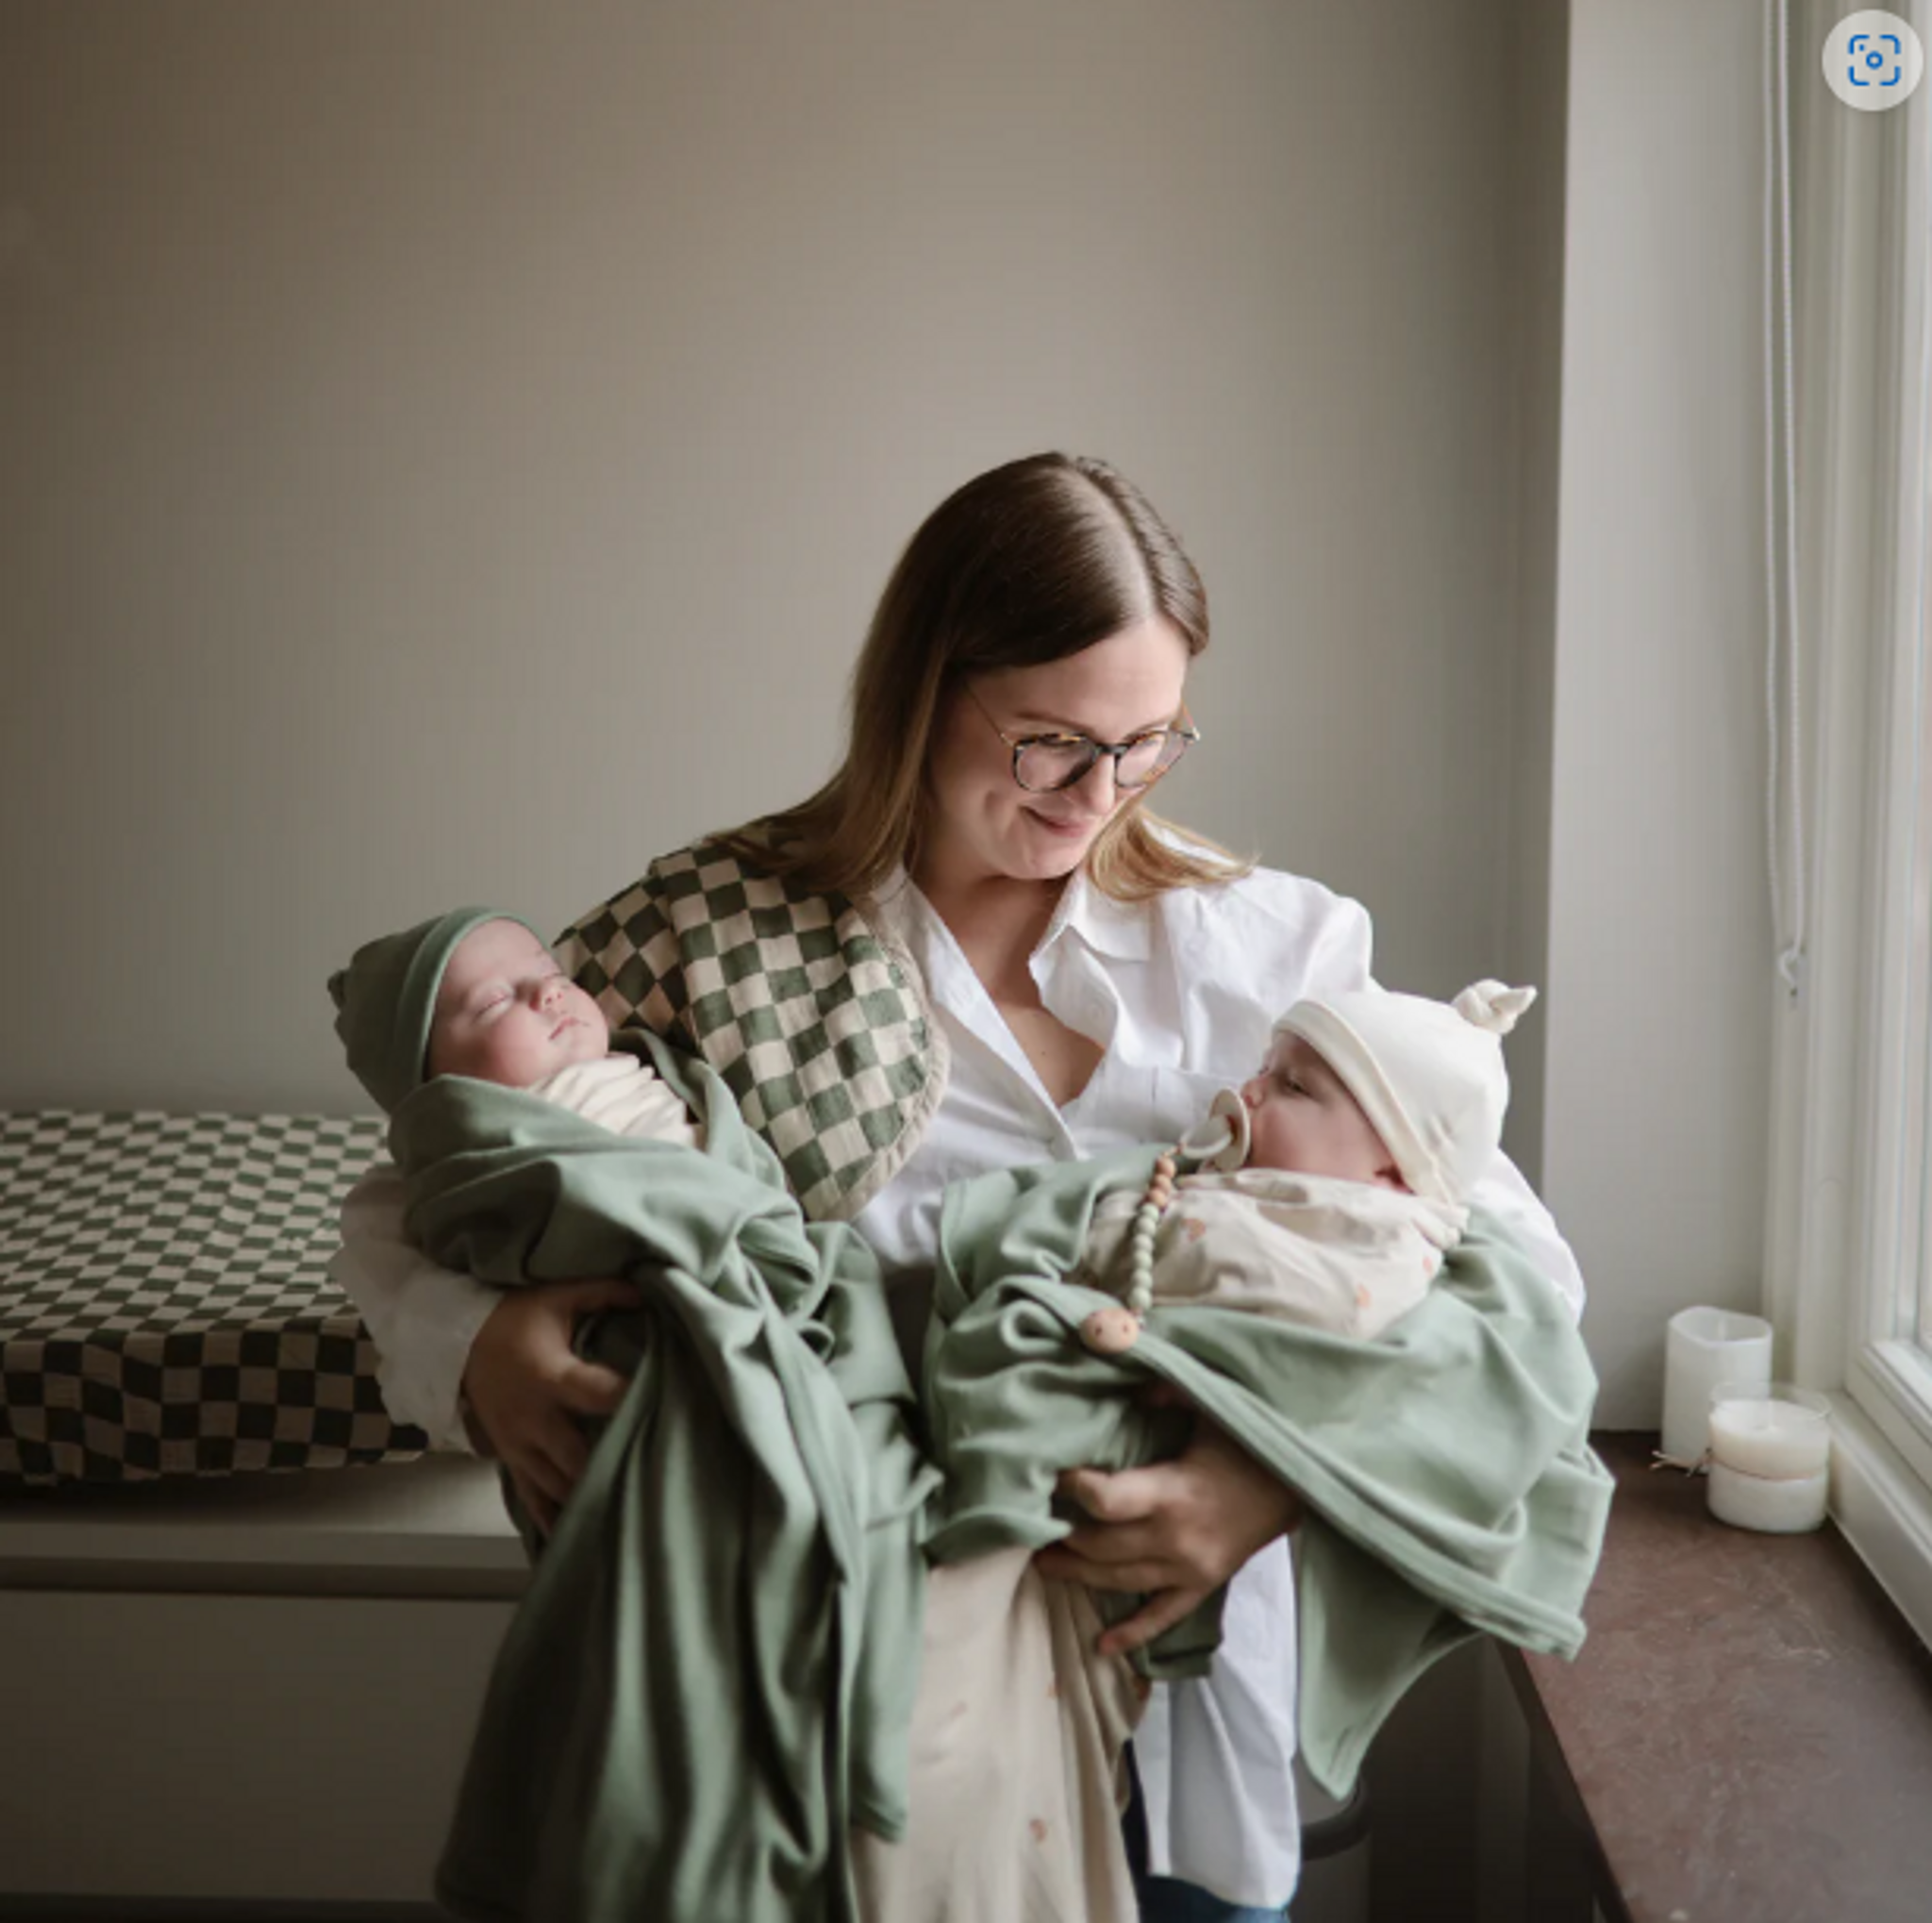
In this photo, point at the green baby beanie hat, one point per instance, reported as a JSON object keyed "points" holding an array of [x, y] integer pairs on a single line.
{"points": [[386, 999]]}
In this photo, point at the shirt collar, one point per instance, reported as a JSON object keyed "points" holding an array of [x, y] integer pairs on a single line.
{"points": [[1119, 928]]}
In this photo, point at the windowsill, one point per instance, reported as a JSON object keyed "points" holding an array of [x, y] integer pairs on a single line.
{"points": [[1881, 1506], [1748, 1728], [435, 1526]]}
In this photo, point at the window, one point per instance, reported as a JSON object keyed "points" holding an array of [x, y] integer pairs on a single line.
{"points": [[1850, 1238]]}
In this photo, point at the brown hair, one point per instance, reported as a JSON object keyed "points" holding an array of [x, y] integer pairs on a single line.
{"points": [[1028, 564]]}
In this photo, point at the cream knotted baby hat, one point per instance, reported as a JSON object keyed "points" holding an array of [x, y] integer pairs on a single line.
{"points": [[1428, 1074]]}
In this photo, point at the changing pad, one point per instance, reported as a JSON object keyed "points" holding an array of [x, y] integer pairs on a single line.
{"points": [[164, 1308]]}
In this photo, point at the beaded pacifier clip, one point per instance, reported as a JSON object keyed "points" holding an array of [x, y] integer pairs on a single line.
{"points": [[1219, 1142]]}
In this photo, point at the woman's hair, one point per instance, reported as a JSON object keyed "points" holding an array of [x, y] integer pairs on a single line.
{"points": [[1029, 563]]}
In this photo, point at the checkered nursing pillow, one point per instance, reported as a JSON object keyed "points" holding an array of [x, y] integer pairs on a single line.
{"points": [[817, 1025], [164, 1308]]}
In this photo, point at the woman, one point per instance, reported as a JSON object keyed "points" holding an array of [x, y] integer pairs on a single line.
{"points": [[1074, 977]]}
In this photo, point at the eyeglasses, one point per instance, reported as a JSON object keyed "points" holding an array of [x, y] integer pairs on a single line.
{"points": [[1043, 764]]}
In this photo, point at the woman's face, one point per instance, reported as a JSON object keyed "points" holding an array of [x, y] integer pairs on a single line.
{"points": [[982, 825]]}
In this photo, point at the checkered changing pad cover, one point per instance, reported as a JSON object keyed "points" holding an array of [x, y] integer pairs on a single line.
{"points": [[164, 1308]]}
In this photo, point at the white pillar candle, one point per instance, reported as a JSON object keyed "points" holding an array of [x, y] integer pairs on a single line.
{"points": [[1776, 1505], [1770, 1457], [1702, 1348]]}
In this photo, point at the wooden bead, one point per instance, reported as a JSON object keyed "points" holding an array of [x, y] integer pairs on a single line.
{"points": [[1110, 1332]]}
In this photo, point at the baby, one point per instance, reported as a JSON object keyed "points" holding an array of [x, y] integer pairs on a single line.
{"points": [[477, 993], [1334, 1180]]}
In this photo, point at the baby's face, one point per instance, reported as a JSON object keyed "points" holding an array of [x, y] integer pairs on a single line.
{"points": [[1302, 1117], [507, 1012]]}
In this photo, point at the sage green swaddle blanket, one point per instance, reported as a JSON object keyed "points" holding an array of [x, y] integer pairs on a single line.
{"points": [[709, 1679], [1450, 1484]]}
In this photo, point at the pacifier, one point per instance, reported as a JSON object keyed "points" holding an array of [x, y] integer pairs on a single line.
{"points": [[1220, 1143]]}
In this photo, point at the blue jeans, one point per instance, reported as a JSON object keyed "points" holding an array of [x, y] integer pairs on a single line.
{"points": [[1166, 1898]]}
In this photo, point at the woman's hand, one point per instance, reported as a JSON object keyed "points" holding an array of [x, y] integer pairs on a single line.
{"points": [[1177, 1529], [524, 1386]]}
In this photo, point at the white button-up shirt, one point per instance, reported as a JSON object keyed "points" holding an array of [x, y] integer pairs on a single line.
{"points": [[1181, 993]]}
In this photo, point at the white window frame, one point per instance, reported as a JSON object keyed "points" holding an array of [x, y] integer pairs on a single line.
{"points": [[1849, 1186]]}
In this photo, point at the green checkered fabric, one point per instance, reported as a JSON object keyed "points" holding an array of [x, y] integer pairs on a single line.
{"points": [[165, 1307], [817, 1024]]}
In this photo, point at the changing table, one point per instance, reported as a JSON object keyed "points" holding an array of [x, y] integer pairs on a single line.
{"points": [[164, 1304]]}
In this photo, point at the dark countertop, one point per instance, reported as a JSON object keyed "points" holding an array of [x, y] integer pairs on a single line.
{"points": [[1748, 1727]]}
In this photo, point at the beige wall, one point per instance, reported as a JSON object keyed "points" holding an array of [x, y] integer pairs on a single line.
{"points": [[1662, 977], [450, 451]]}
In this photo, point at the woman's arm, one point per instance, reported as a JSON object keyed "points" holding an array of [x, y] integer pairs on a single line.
{"points": [[449, 1347]]}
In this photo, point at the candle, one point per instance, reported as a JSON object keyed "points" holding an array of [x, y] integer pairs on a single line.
{"points": [[1777, 1432], [1776, 1506], [1703, 1348], [1770, 1457]]}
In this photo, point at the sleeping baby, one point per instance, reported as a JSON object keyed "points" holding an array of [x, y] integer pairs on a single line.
{"points": [[1332, 1183], [477, 993]]}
